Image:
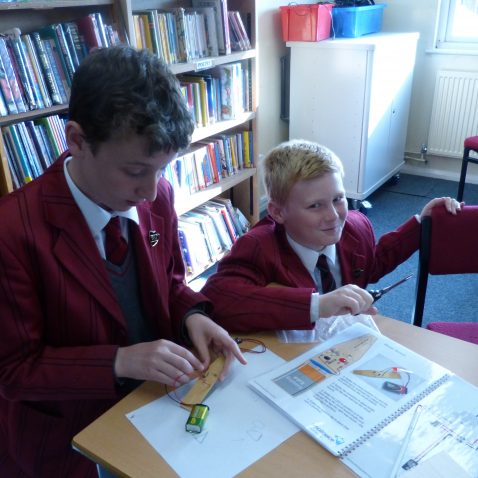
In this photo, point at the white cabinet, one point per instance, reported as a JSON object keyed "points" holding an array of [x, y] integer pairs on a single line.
{"points": [[353, 96]]}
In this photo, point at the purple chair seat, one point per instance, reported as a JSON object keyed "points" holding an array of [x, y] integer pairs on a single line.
{"points": [[467, 331]]}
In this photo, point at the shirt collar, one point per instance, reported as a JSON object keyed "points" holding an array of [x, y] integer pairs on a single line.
{"points": [[309, 256], [95, 215]]}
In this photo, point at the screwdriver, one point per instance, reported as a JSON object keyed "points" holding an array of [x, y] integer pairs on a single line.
{"points": [[377, 294]]}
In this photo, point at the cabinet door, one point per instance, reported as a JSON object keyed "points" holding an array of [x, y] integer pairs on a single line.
{"points": [[327, 92], [391, 82]]}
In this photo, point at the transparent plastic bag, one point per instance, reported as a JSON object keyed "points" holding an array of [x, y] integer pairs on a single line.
{"points": [[325, 329]]}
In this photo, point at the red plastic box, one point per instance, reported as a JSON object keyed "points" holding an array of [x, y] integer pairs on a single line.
{"points": [[306, 22]]}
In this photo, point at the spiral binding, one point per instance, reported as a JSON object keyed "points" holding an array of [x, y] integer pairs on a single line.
{"points": [[366, 436]]}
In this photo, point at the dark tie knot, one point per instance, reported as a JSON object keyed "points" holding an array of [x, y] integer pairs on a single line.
{"points": [[116, 246]]}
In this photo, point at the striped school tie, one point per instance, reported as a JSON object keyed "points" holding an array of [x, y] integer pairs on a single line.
{"points": [[326, 277]]}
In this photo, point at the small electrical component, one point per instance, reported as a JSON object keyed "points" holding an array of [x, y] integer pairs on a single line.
{"points": [[197, 418], [395, 388]]}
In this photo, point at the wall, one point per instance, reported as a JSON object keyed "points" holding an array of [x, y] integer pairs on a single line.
{"points": [[400, 15], [420, 16], [271, 129]]}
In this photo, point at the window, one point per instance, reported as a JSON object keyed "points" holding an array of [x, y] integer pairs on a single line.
{"points": [[457, 25]]}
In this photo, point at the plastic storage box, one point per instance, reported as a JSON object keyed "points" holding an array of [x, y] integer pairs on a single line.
{"points": [[353, 22], [306, 22]]}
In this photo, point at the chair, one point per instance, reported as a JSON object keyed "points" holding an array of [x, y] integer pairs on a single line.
{"points": [[460, 330], [448, 245], [471, 144]]}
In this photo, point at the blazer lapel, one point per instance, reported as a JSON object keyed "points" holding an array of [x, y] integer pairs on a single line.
{"points": [[151, 260], [353, 265], [75, 248], [291, 262]]}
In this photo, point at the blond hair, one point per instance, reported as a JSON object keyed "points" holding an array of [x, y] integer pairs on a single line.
{"points": [[293, 161]]}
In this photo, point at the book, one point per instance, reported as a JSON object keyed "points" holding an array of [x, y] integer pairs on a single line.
{"points": [[196, 244], [38, 144], [76, 42], [57, 71], [30, 151], [54, 34], [15, 171], [88, 29], [210, 30], [231, 90], [3, 105], [69, 35], [446, 428], [19, 54], [222, 22], [35, 68], [181, 34], [46, 68], [98, 18], [214, 212], [237, 27], [233, 234], [7, 73], [18, 151], [6, 90], [352, 391], [232, 214]]}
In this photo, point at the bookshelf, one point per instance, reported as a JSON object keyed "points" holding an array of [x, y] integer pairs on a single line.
{"points": [[32, 16], [241, 186]]}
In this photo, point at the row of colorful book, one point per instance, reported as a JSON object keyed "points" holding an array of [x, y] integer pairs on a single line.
{"points": [[209, 231], [223, 94], [207, 29], [207, 162], [32, 146], [36, 68]]}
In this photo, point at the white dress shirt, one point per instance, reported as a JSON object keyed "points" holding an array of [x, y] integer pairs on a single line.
{"points": [[309, 258], [97, 217]]}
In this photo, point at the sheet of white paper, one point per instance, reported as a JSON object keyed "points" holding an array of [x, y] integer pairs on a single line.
{"points": [[240, 429]]}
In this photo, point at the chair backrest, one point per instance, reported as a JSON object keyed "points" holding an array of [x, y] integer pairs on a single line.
{"points": [[448, 245]]}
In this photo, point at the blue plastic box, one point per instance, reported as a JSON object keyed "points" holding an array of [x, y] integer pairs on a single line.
{"points": [[353, 22]]}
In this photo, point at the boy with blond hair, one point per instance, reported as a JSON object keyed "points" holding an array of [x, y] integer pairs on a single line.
{"points": [[319, 254]]}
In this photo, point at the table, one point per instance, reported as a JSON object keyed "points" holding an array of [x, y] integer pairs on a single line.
{"points": [[114, 442]]}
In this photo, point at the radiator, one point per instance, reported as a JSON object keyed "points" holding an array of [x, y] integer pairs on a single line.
{"points": [[454, 112]]}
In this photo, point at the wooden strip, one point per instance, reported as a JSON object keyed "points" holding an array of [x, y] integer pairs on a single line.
{"points": [[203, 384]]}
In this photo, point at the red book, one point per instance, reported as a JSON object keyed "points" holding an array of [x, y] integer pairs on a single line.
{"points": [[89, 29]]}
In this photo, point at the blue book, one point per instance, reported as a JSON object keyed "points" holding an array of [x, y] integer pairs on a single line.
{"points": [[185, 252], [30, 151], [19, 153]]}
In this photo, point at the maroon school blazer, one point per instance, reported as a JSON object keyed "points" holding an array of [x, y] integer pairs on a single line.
{"points": [[61, 323], [243, 303]]}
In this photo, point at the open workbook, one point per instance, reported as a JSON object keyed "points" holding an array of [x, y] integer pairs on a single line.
{"points": [[355, 394]]}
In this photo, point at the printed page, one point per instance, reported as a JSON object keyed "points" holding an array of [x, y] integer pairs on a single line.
{"points": [[343, 388], [445, 435]]}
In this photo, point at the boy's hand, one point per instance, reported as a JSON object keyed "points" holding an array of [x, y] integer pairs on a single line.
{"points": [[206, 334], [451, 205], [349, 299], [162, 361]]}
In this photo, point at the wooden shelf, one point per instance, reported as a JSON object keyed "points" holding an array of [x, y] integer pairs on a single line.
{"points": [[184, 205], [210, 62], [45, 5], [221, 126], [30, 115]]}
